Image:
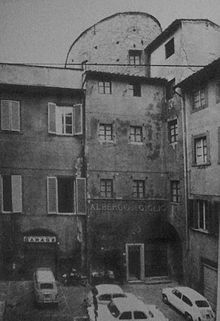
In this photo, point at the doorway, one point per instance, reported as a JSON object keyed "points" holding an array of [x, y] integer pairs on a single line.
{"points": [[135, 261]]}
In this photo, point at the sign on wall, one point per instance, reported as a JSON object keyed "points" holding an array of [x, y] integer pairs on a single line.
{"points": [[40, 239]]}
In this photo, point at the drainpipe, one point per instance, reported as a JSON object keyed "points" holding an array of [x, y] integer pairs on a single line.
{"points": [[218, 283]]}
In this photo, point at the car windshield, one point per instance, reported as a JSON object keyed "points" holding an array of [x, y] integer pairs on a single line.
{"points": [[46, 286], [113, 309], [202, 304]]}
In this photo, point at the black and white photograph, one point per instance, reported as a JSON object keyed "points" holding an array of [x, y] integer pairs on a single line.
{"points": [[109, 160]]}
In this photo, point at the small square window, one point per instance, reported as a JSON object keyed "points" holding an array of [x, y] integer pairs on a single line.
{"points": [[106, 132], [138, 188], [136, 134], [106, 188], [135, 57], [104, 87], [172, 131], [169, 48], [175, 191], [135, 89]]}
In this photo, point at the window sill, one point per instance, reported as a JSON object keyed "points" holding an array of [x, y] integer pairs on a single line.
{"points": [[136, 143], [200, 231], [198, 109], [202, 165], [11, 132], [174, 203], [61, 214]]}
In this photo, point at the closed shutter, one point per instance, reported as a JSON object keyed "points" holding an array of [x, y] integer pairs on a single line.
{"points": [[190, 213], [15, 115], [80, 196], [52, 195], [210, 284], [16, 186], [52, 118], [5, 114], [77, 119]]}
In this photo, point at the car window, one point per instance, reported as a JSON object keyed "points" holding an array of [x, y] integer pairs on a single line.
{"points": [[202, 304], [113, 309], [177, 294], [140, 315], [46, 286], [125, 316], [119, 295], [104, 297], [186, 300]]}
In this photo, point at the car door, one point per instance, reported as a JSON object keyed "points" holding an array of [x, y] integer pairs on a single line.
{"points": [[177, 299], [187, 305]]}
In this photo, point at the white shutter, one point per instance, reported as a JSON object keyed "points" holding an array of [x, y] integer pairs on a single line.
{"points": [[16, 188], [80, 196], [52, 201], [77, 119], [52, 118], [5, 114], [15, 115]]}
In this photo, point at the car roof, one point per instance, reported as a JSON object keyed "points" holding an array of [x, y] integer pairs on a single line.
{"points": [[108, 288], [192, 294], [45, 275], [129, 304]]}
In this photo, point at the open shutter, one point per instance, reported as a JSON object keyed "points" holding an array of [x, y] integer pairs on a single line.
{"points": [[52, 195], [80, 196], [190, 213], [15, 115], [16, 187], [214, 218], [77, 119], [5, 114], [52, 118]]}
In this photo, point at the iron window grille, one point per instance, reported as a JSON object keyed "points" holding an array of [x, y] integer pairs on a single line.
{"points": [[106, 188], [173, 131], [175, 191], [106, 132], [138, 188]]}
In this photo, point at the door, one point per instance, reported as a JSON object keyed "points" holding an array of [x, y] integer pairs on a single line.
{"points": [[135, 261], [210, 284]]}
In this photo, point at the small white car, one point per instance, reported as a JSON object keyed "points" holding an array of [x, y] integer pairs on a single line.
{"points": [[128, 309], [103, 293], [189, 302]]}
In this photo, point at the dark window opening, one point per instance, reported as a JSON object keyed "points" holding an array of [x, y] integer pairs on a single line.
{"points": [[170, 89], [135, 57], [7, 193], [169, 48], [65, 194]]}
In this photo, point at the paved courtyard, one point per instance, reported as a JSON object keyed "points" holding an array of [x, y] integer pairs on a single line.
{"points": [[21, 307]]}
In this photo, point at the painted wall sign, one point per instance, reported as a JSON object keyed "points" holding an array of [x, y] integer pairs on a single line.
{"points": [[40, 239], [127, 205]]}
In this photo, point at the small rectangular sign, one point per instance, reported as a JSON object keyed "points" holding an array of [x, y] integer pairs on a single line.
{"points": [[40, 239]]}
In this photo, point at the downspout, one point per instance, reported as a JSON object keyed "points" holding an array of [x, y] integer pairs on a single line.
{"points": [[185, 163]]}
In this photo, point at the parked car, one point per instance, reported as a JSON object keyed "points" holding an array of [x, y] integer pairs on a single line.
{"points": [[103, 293], [125, 309], [189, 302], [45, 288]]}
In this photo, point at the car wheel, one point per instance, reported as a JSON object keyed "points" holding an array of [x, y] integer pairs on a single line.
{"points": [[165, 299], [188, 317]]}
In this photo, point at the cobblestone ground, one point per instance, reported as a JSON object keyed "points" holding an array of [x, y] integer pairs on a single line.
{"points": [[21, 306]]}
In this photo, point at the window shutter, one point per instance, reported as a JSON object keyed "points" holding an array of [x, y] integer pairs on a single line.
{"points": [[5, 114], [217, 92], [192, 213], [52, 195], [80, 196], [1, 194], [77, 120], [219, 145], [52, 118], [214, 218], [16, 188], [15, 115]]}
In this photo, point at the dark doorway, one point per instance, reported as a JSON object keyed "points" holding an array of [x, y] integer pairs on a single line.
{"points": [[134, 262]]}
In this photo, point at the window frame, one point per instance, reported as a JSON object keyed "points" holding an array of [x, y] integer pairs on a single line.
{"points": [[105, 184], [138, 191], [175, 191], [135, 89], [105, 87], [134, 57], [103, 132], [202, 95], [205, 149], [16, 193], [169, 48], [10, 115], [172, 131], [133, 135]]}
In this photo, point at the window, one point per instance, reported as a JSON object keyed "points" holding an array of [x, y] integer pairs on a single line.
{"points": [[106, 188], [125, 316], [105, 297], [177, 294], [136, 134], [60, 194], [135, 89], [105, 87], [169, 48], [172, 131], [170, 89], [134, 57], [106, 132], [139, 315], [138, 189], [10, 115], [64, 120], [203, 215], [11, 193], [199, 98], [217, 92], [175, 191], [187, 301], [200, 150]]}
